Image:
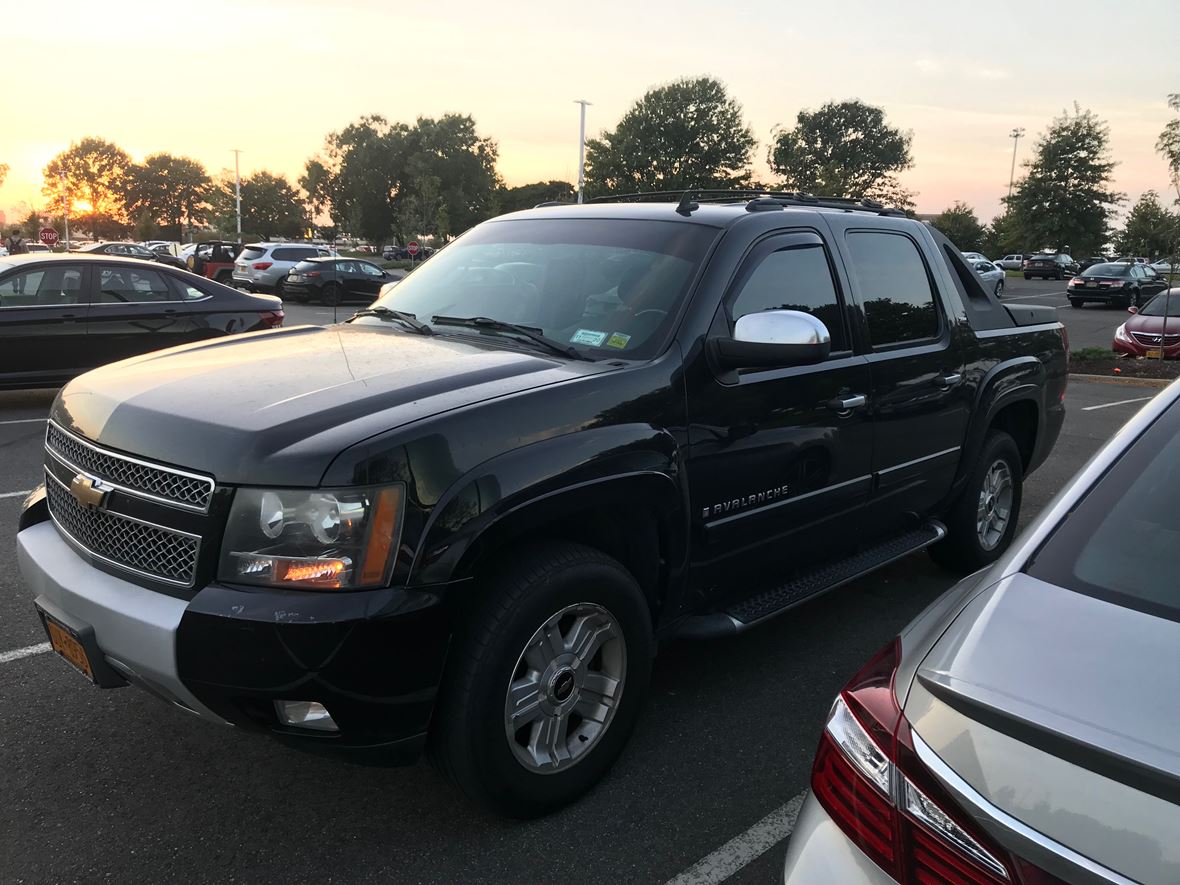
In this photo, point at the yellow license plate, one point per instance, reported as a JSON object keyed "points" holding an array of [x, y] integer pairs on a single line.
{"points": [[68, 647], [1153, 353]]}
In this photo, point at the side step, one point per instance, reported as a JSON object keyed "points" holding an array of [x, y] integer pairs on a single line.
{"points": [[744, 614]]}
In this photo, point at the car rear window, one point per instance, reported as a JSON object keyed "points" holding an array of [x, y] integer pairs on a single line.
{"points": [[304, 266], [1108, 270], [294, 253], [252, 253], [1122, 541]]}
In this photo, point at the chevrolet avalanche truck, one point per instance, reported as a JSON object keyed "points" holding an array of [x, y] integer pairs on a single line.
{"points": [[463, 520]]}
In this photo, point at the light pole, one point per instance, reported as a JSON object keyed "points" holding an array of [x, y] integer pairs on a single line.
{"points": [[1015, 136], [582, 149], [65, 207], [238, 192]]}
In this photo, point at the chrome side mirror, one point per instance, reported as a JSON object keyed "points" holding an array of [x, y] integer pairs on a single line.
{"points": [[774, 338]]}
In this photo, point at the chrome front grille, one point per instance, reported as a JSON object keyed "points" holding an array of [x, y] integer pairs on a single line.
{"points": [[1154, 340], [139, 478], [155, 551]]}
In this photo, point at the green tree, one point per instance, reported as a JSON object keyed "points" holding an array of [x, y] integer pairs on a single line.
{"points": [[169, 190], [844, 149], [3, 173], [270, 205], [1065, 201], [92, 171], [1151, 230], [685, 135], [1003, 237], [1168, 145], [961, 226], [526, 196]]}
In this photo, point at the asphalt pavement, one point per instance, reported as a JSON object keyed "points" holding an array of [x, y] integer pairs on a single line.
{"points": [[113, 786], [1091, 325]]}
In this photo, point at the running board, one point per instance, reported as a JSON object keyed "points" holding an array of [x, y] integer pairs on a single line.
{"points": [[741, 616]]}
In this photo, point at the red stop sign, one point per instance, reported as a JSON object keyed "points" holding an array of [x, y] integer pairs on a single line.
{"points": [[48, 236], [412, 248]]}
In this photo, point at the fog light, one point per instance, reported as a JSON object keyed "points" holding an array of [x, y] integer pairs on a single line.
{"points": [[305, 714]]}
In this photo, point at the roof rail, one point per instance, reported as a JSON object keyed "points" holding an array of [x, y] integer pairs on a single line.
{"points": [[720, 195]]}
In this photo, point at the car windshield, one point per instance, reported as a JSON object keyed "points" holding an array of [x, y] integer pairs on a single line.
{"points": [[1162, 305], [607, 285], [252, 253], [1122, 542], [1107, 270]]}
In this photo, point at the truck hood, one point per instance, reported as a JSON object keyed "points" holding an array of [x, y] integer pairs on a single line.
{"points": [[1060, 709], [276, 407]]}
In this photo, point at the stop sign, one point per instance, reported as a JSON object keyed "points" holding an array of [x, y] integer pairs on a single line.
{"points": [[48, 236], [412, 248]]}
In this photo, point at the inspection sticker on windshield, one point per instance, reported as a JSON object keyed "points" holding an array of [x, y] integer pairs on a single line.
{"points": [[618, 339], [588, 336]]}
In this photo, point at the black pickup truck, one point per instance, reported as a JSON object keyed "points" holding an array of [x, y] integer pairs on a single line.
{"points": [[464, 519]]}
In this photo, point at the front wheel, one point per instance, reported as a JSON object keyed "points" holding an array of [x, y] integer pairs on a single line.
{"points": [[548, 673], [981, 523]]}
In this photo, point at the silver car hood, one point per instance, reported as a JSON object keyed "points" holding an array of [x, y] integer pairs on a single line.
{"points": [[1063, 711]]}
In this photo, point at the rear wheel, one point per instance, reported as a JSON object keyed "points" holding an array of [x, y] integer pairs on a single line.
{"points": [[279, 287], [330, 294], [1000, 288], [547, 676], [981, 523], [1028, 276], [1074, 302], [224, 277], [1135, 299]]}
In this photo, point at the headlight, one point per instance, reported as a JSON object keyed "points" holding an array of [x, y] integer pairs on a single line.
{"points": [[1120, 333], [313, 539]]}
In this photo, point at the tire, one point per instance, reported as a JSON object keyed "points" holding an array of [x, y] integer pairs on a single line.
{"points": [[972, 543], [1074, 302], [1028, 276], [999, 290], [1135, 299], [278, 289], [225, 277], [1058, 274], [500, 643], [330, 294]]}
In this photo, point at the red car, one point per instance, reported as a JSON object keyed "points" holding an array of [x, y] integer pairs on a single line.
{"points": [[1143, 334]]}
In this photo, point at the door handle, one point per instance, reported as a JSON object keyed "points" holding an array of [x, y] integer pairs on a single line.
{"points": [[947, 380], [847, 402]]}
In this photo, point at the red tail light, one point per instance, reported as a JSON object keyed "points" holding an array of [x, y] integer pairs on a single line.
{"points": [[1077, 281], [876, 789], [261, 265], [271, 319]]}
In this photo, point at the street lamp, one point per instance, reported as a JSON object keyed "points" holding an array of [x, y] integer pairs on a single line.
{"points": [[1015, 135], [582, 149], [238, 192]]}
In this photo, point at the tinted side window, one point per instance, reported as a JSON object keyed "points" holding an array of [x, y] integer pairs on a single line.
{"points": [[42, 287], [797, 278], [127, 285], [894, 286], [293, 254]]}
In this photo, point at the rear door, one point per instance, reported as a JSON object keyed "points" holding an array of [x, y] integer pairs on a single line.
{"points": [[43, 322], [134, 310], [920, 406]]}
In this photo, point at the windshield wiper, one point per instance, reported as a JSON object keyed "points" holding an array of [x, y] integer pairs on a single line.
{"points": [[530, 332], [406, 317]]}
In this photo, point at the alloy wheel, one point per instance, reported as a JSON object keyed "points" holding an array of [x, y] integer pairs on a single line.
{"points": [[994, 510]]}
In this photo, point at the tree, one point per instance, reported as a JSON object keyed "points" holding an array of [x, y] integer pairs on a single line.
{"points": [[1151, 230], [3, 173], [91, 173], [526, 196], [961, 226], [168, 190], [1064, 202], [1168, 145], [270, 205], [685, 135], [1003, 237], [844, 149]]}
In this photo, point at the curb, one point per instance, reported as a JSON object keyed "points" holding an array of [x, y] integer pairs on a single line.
{"points": [[1114, 379]]}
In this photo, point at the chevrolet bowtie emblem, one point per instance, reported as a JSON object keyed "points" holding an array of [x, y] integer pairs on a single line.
{"points": [[87, 491]]}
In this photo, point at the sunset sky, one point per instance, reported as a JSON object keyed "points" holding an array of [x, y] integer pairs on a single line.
{"points": [[272, 78]]}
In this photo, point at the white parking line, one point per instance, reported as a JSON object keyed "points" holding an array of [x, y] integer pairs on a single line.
{"points": [[744, 848], [1122, 402], [27, 651], [14, 494], [24, 421], [1010, 297]]}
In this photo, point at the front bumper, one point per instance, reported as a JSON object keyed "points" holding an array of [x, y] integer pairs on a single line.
{"points": [[374, 659], [819, 852], [1134, 348]]}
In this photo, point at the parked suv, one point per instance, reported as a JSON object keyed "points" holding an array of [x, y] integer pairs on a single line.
{"points": [[1050, 266], [468, 517], [262, 267], [1012, 262]]}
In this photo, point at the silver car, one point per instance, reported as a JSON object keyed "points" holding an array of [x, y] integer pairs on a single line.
{"points": [[262, 267], [990, 275], [1025, 728]]}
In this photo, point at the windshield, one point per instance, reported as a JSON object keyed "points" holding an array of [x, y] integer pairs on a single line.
{"points": [[1122, 542], [1108, 270], [609, 286], [1162, 304]]}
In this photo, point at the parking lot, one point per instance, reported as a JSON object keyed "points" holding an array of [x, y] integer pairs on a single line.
{"points": [[114, 786]]}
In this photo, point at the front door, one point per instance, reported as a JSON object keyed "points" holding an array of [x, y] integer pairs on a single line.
{"points": [[778, 459], [920, 404]]}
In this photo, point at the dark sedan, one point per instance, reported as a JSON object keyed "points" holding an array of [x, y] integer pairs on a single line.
{"points": [[336, 280], [1048, 265], [134, 250], [1115, 283], [61, 315]]}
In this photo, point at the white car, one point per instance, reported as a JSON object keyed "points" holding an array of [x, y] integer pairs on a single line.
{"points": [[975, 256], [1011, 262], [1166, 265], [991, 275]]}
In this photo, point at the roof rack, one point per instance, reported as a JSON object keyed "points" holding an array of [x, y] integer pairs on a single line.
{"points": [[755, 198]]}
